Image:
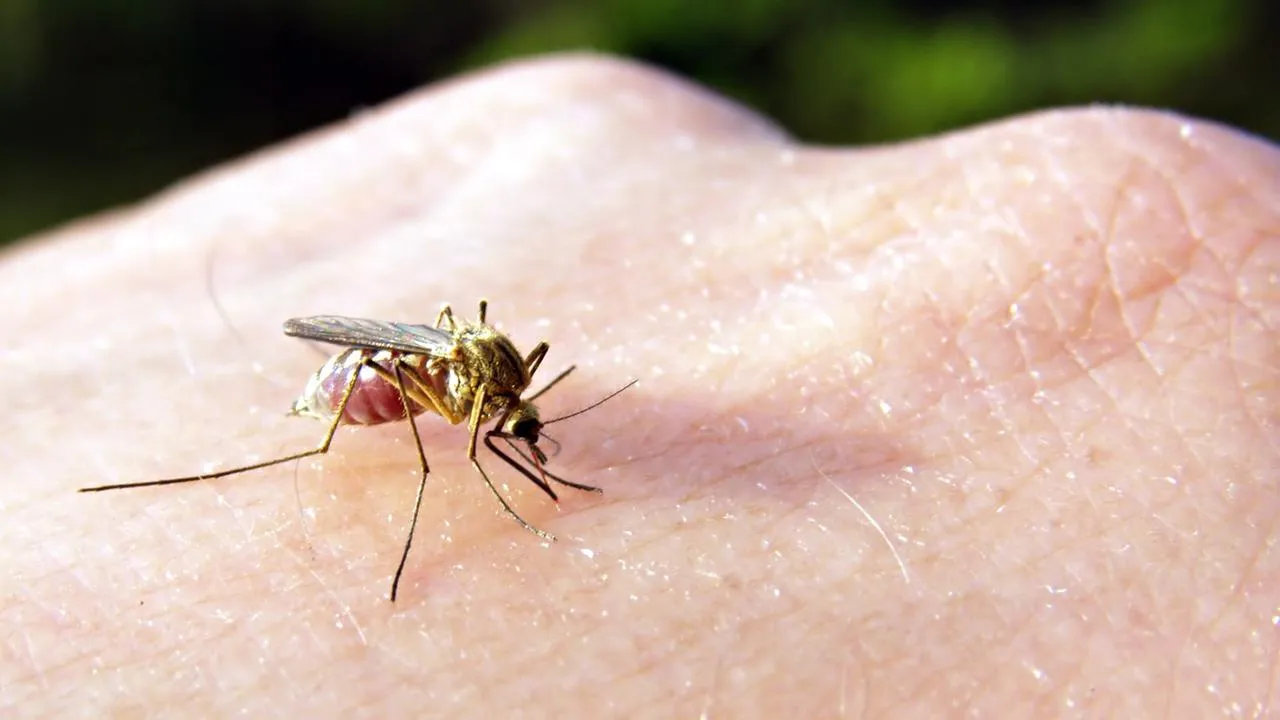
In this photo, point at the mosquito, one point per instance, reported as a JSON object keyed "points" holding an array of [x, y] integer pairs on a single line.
{"points": [[461, 371]]}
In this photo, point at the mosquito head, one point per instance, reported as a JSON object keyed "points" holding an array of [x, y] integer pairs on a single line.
{"points": [[524, 424]]}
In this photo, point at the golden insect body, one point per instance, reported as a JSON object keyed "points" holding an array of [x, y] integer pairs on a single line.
{"points": [[463, 372]]}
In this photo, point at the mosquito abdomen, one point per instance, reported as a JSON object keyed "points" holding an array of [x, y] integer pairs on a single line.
{"points": [[374, 399]]}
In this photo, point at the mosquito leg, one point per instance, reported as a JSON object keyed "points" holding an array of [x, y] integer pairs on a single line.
{"points": [[446, 313], [535, 358], [564, 374], [577, 486], [320, 450], [476, 409], [421, 392], [540, 533], [422, 484], [473, 426], [572, 484]]}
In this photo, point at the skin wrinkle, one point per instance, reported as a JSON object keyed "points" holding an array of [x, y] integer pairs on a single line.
{"points": [[1237, 191], [1235, 599], [1128, 298], [1079, 356], [1246, 295], [1039, 410], [1007, 379], [1256, 412], [1069, 334], [1191, 297], [1241, 386], [1245, 304], [1197, 289], [1018, 491]]}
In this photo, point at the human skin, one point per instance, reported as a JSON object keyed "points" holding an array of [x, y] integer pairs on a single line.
{"points": [[982, 423]]}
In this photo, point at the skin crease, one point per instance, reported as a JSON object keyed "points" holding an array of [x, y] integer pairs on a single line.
{"points": [[983, 423]]}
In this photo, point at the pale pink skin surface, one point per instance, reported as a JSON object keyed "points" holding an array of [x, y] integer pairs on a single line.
{"points": [[1041, 354]]}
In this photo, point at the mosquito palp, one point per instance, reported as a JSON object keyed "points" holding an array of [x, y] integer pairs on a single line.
{"points": [[388, 371], [553, 441]]}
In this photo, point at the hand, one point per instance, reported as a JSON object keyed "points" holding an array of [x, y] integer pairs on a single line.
{"points": [[984, 422]]}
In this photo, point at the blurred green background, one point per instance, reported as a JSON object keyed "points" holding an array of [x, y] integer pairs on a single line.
{"points": [[102, 103]]}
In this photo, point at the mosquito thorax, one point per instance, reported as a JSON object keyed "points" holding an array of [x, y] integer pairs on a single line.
{"points": [[488, 357]]}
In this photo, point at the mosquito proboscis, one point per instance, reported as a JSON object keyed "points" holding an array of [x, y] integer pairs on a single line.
{"points": [[389, 371]]}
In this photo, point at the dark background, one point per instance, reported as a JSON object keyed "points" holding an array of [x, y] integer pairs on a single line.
{"points": [[102, 103]]}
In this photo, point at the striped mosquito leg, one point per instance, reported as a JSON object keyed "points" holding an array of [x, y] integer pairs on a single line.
{"points": [[471, 455], [446, 313], [422, 483], [322, 449], [534, 360]]}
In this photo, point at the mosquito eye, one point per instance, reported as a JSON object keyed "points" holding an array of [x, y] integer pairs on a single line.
{"points": [[526, 429]]}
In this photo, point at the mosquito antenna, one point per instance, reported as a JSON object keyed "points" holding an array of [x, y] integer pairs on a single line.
{"points": [[551, 384], [593, 405]]}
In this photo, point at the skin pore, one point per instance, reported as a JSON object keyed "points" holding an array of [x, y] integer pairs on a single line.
{"points": [[979, 423]]}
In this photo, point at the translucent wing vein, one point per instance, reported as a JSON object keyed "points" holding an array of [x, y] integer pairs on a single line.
{"points": [[377, 334]]}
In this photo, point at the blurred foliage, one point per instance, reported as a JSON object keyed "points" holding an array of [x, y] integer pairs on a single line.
{"points": [[102, 103]]}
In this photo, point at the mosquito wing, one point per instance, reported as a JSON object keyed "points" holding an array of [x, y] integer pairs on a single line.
{"points": [[379, 334]]}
